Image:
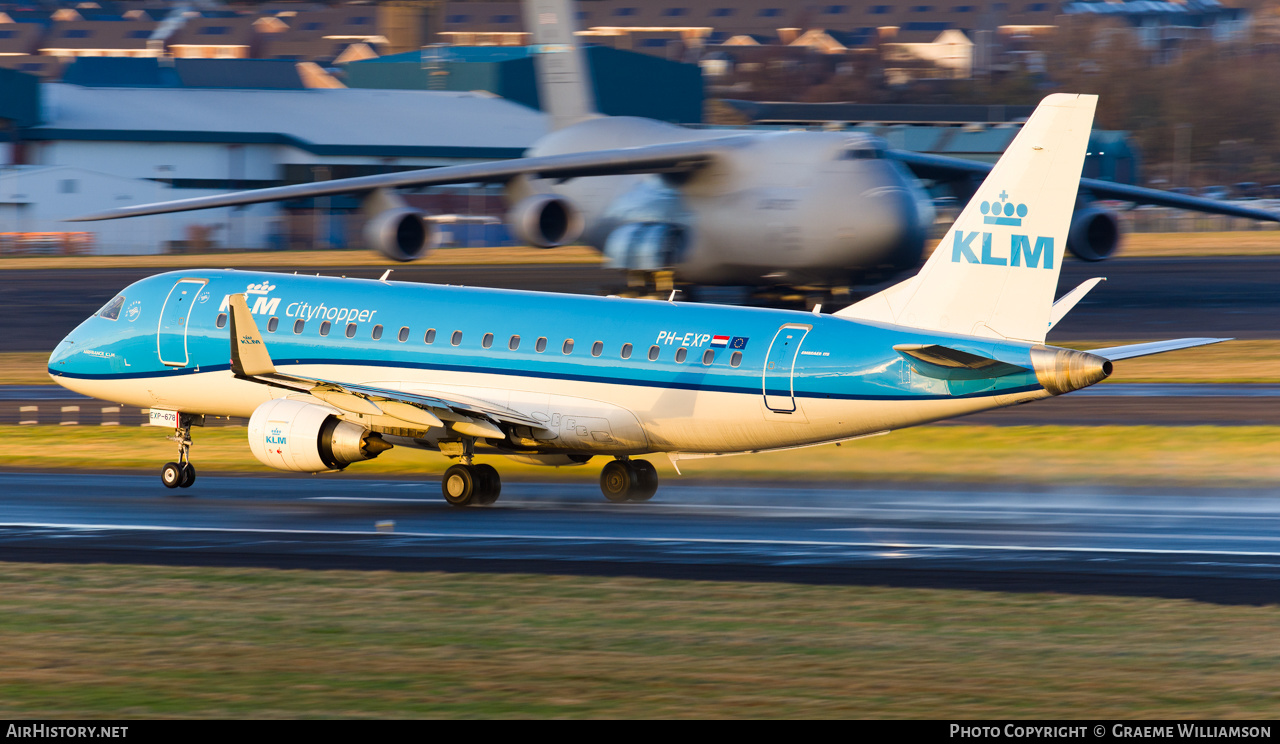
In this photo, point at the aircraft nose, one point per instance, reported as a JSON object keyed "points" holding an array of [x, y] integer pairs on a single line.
{"points": [[61, 356], [893, 226]]}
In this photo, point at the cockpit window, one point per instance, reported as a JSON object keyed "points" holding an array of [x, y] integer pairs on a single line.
{"points": [[111, 310], [862, 152]]}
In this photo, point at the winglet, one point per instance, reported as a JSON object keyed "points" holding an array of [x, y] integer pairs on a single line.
{"points": [[249, 357]]}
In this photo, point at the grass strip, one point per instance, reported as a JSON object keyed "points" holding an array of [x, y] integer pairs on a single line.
{"points": [[1232, 361], [1252, 361], [1122, 455], [95, 641], [1192, 244]]}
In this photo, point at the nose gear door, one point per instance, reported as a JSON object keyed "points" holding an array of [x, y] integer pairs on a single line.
{"points": [[171, 335], [779, 364]]}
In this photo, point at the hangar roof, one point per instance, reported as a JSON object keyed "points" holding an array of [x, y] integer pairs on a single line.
{"points": [[331, 122]]}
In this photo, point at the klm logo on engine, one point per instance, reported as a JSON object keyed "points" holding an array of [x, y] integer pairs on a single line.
{"points": [[981, 247], [276, 437]]}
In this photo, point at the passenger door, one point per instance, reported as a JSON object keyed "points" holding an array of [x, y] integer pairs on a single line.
{"points": [[171, 336], [779, 365]]}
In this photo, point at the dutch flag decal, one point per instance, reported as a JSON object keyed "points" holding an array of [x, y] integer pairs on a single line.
{"points": [[719, 340]]}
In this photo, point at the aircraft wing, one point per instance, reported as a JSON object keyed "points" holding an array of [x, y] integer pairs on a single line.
{"points": [[674, 157], [944, 168], [472, 416]]}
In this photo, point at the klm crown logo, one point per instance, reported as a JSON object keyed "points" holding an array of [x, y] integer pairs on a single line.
{"points": [[1032, 252], [1002, 212]]}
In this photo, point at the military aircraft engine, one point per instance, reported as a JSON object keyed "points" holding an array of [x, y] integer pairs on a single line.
{"points": [[545, 220], [401, 234], [1094, 234], [294, 435]]}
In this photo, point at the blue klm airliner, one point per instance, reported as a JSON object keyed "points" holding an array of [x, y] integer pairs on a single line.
{"points": [[333, 371]]}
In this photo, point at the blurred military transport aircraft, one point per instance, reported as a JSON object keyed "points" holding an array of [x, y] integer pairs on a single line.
{"points": [[787, 208], [347, 368]]}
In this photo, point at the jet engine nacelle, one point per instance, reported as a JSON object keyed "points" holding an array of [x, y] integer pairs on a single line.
{"points": [[1094, 234], [545, 220], [294, 435], [400, 234]]}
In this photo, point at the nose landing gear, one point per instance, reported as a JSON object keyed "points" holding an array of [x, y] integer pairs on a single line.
{"points": [[180, 474], [629, 480]]}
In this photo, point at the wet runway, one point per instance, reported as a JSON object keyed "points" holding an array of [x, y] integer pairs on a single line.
{"points": [[1103, 405], [1143, 298], [1219, 546]]}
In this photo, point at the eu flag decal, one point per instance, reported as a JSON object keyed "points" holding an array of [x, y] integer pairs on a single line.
{"points": [[738, 342]]}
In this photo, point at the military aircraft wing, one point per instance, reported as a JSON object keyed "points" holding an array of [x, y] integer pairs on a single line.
{"points": [[674, 157], [945, 168]]}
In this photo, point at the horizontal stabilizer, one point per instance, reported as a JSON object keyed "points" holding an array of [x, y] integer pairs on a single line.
{"points": [[1115, 353], [1065, 303], [945, 363]]}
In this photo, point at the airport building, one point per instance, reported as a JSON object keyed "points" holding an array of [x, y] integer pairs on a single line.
{"points": [[138, 143]]}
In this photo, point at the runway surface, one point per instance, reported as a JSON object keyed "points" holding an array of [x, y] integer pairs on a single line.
{"points": [[1217, 546], [1143, 298], [1102, 405]]}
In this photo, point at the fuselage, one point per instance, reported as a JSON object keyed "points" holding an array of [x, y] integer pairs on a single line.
{"points": [[605, 375], [784, 207]]}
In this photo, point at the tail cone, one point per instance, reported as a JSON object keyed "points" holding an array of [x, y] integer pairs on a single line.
{"points": [[1063, 370]]}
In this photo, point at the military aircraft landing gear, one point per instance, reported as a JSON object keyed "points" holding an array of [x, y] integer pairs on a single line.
{"points": [[180, 474], [629, 480]]}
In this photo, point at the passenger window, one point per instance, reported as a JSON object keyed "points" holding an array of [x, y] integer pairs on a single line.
{"points": [[430, 337], [597, 348], [351, 330], [111, 310], [653, 353], [324, 328], [541, 346], [567, 348], [222, 320], [735, 359], [681, 353], [457, 338], [487, 341], [404, 334], [708, 356], [377, 332], [298, 325], [272, 325], [514, 343], [626, 351]]}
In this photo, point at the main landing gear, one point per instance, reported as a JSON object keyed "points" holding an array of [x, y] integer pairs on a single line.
{"points": [[180, 474], [629, 480], [471, 485]]}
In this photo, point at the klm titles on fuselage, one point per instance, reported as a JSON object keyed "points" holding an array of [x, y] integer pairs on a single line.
{"points": [[264, 305], [1022, 252]]}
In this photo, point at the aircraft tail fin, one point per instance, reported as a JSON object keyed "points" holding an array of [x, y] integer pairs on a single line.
{"points": [[996, 271], [564, 85]]}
